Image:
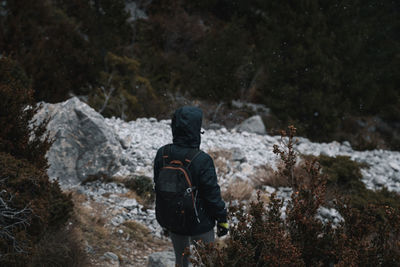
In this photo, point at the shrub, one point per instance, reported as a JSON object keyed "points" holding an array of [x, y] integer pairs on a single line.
{"points": [[97, 177], [31, 188], [261, 236], [36, 204], [16, 111], [59, 247], [122, 90], [257, 238], [344, 177], [341, 171], [143, 186]]}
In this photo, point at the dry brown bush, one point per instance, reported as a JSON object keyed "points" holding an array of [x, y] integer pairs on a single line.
{"points": [[261, 237], [265, 175]]}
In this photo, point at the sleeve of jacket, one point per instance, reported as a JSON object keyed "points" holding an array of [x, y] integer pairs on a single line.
{"points": [[209, 190], [157, 164]]}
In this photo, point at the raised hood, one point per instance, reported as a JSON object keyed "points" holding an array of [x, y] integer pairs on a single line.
{"points": [[186, 126]]}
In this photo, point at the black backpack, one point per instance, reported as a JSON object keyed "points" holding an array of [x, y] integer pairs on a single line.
{"points": [[176, 194]]}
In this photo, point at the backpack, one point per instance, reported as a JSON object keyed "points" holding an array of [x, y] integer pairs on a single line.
{"points": [[175, 193]]}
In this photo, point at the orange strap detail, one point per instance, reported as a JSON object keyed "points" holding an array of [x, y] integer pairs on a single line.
{"points": [[184, 172], [176, 162], [186, 177]]}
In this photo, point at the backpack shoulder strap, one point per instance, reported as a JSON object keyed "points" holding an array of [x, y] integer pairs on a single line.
{"points": [[191, 156], [166, 154]]}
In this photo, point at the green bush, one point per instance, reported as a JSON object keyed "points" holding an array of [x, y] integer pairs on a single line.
{"points": [[31, 205], [341, 171], [17, 108], [61, 247], [143, 186], [31, 188], [123, 91], [344, 176]]}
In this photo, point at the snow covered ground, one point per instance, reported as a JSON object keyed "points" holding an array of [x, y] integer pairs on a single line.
{"points": [[141, 139]]}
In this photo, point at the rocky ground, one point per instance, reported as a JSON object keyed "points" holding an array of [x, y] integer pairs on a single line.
{"points": [[115, 229]]}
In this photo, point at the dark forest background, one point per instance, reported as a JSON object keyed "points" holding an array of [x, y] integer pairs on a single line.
{"points": [[320, 65], [331, 68]]}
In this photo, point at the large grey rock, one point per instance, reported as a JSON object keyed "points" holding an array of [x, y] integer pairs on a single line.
{"points": [[84, 145], [162, 259], [252, 125]]}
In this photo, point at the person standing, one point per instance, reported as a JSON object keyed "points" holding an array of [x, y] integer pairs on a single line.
{"points": [[192, 214]]}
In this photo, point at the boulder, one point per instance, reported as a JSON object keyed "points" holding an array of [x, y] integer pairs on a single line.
{"points": [[162, 259], [252, 125], [83, 144]]}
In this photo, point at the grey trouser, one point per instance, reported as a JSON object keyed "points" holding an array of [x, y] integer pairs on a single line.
{"points": [[181, 242]]}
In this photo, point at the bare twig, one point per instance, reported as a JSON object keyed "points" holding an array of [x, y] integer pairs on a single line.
{"points": [[288, 154], [216, 110], [107, 95], [11, 220]]}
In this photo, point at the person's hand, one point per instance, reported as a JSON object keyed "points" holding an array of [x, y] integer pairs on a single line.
{"points": [[222, 229]]}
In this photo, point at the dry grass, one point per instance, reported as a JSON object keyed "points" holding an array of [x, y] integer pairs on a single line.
{"points": [[265, 175], [90, 220], [221, 154], [222, 166], [222, 161], [244, 190], [238, 191], [138, 232], [132, 194], [132, 245]]}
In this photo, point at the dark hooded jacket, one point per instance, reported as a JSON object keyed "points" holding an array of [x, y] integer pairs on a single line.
{"points": [[186, 130]]}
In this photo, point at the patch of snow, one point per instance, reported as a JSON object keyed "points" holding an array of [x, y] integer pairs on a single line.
{"points": [[143, 137]]}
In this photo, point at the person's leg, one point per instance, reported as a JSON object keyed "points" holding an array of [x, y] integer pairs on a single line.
{"points": [[206, 238], [180, 243]]}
